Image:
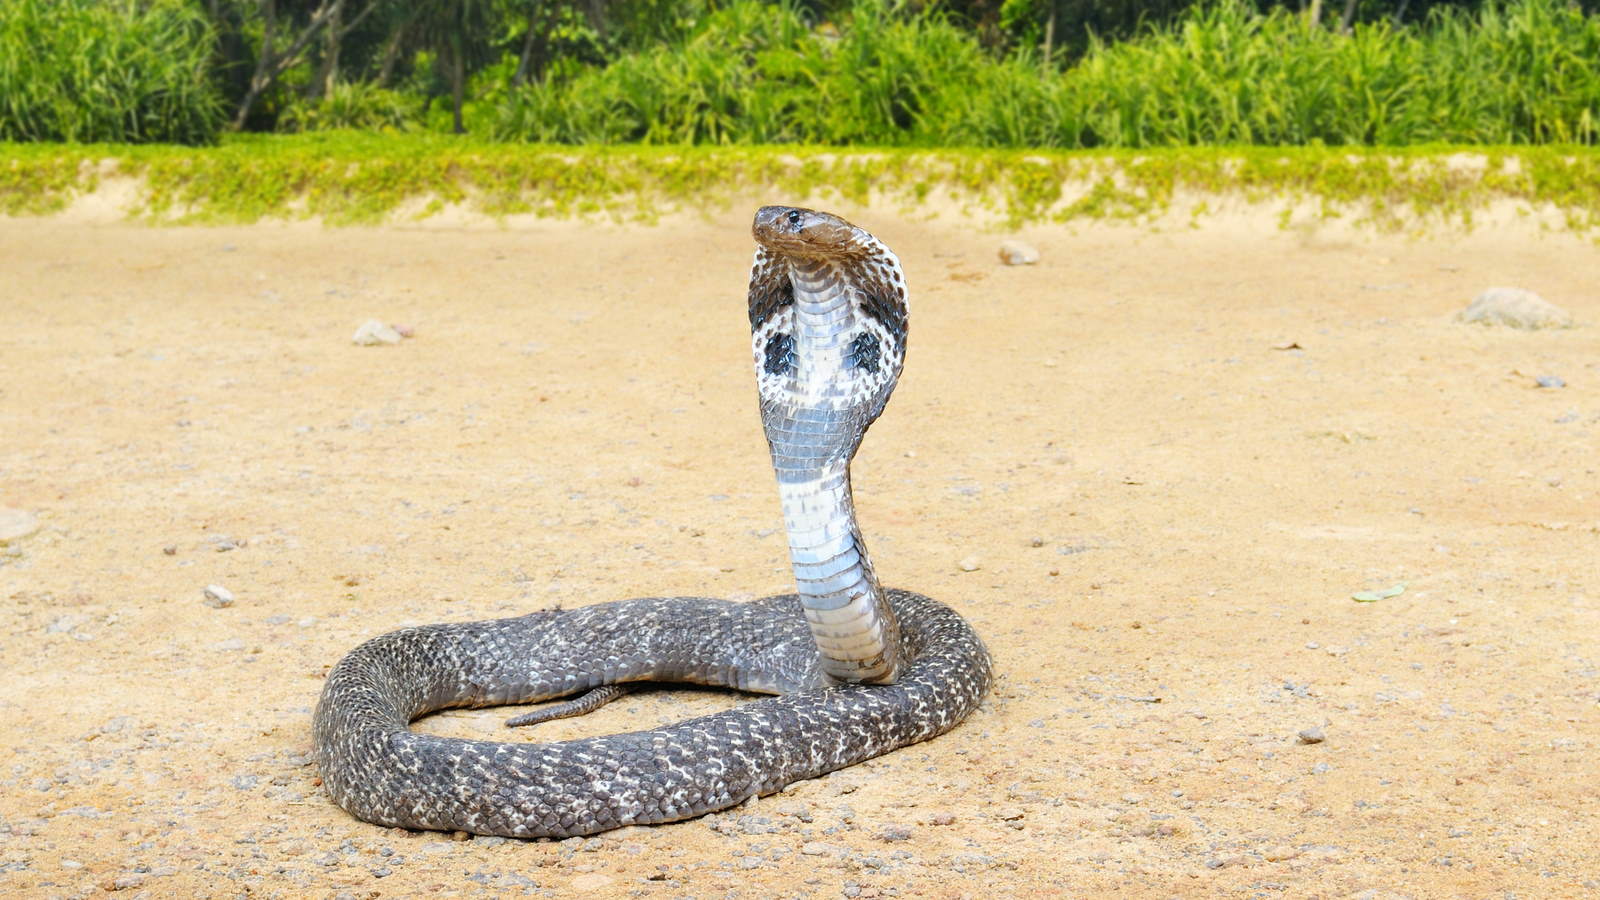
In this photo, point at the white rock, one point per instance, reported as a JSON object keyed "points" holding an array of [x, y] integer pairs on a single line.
{"points": [[374, 332], [16, 524], [218, 596], [1517, 308], [969, 564], [1016, 253]]}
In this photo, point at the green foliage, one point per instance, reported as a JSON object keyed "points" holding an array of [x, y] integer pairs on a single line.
{"points": [[112, 70], [353, 106], [346, 177], [1228, 75], [1223, 74]]}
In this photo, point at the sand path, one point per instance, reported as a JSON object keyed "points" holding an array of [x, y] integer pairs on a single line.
{"points": [[1167, 510]]}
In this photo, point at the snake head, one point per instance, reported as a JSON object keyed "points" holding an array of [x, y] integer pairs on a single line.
{"points": [[793, 231]]}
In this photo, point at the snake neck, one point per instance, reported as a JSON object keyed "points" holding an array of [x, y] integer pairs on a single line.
{"points": [[855, 629], [813, 433]]}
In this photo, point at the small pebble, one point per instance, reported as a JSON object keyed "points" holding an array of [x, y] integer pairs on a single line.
{"points": [[798, 810], [218, 597], [170, 549], [968, 564], [894, 833], [1550, 381], [1312, 736], [374, 332], [1017, 253]]}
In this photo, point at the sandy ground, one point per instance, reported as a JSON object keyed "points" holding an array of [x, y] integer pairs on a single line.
{"points": [[1172, 455]]}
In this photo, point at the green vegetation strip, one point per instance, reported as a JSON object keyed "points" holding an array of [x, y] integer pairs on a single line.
{"points": [[361, 178]]}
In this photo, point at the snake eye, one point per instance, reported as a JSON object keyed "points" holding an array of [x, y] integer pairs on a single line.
{"points": [[794, 218]]}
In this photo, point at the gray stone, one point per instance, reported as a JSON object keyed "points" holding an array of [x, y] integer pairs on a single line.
{"points": [[218, 597], [1312, 736], [1515, 308], [374, 332]]}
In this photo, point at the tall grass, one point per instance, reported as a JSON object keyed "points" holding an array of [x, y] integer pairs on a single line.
{"points": [[106, 70], [1526, 71]]}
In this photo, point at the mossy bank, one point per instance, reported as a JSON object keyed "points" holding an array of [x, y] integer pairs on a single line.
{"points": [[358, 178]]}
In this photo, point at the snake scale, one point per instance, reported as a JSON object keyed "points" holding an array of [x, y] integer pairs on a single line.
{"points": [[858, 669]]}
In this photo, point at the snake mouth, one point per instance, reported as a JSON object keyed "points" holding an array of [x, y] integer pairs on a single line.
{"points": [[801, 232]]}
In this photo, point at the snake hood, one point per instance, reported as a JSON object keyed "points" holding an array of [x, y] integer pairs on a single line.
{"points": [[828, 316]]}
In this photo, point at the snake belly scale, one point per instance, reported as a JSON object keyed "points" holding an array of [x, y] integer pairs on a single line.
{"points": [[857, 669]]}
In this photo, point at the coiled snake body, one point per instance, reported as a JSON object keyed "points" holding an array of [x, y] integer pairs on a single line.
{"points": [[859, 670]]}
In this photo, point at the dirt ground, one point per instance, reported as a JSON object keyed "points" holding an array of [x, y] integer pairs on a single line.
{"points": [[1172, 455]]}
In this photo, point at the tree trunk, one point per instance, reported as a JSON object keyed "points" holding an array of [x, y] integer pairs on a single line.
{"points": [[328, 72], [1314, 16], [595, 12], [525, 61], [270, 65], [1401, 12], [259, 80], [1050, 34], [232, 50], [1347, 21], [391, 53], [458, 74]]}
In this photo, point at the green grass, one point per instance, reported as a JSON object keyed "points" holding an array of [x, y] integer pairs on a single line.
{"points": [[757, 72], [1522, 72], [98, 70], [352, 178]]}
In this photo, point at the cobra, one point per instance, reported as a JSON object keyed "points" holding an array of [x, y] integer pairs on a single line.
{"points": [[858, 670]]}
